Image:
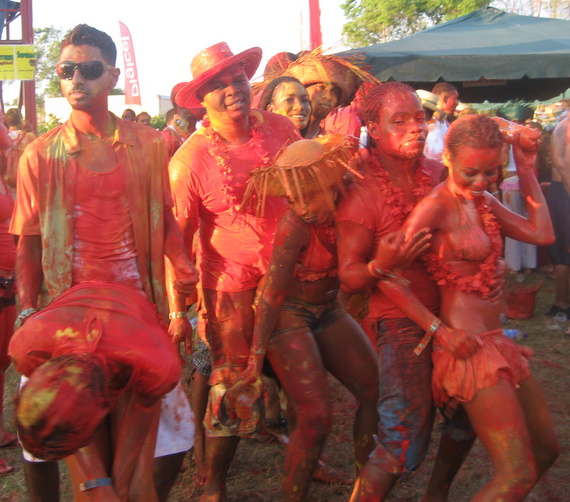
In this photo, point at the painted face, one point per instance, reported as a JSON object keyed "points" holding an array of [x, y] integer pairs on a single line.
{"points": [[291, 99], [449, 103], [315, 210], [227, 95], [473, 169], [401, 129], [81, 93], [324, 97]]}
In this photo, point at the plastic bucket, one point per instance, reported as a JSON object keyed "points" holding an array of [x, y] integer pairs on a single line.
{"points": [[519, 304]]}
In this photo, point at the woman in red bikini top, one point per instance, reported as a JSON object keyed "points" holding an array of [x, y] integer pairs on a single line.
{"points": [[300, 327], [503, 402]]}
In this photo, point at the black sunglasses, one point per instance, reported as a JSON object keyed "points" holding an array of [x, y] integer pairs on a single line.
{"points": [[90, 70]]}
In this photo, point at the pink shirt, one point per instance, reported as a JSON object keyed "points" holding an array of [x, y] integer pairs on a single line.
{"points": [[234, 248]]}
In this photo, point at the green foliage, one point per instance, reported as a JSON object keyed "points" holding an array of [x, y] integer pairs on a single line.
{"points": [[375, 21], [48, 46], [50, 122], [158, 122]]}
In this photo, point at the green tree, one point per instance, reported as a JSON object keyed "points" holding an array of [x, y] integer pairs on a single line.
{"points": [[48, 46], [48, 124], [158, 122], [375, 21]]}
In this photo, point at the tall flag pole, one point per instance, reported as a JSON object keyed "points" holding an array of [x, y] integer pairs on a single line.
{"points": [[132, 87], [315, 24]]}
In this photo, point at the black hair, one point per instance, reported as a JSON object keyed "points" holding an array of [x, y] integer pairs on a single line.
{"points": [[84, 34]]}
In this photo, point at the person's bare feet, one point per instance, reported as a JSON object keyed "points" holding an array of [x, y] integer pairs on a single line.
{"points": [[329, 474]]}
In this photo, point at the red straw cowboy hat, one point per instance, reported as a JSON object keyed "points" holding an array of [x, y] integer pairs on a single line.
{"points": [[209, 63]]}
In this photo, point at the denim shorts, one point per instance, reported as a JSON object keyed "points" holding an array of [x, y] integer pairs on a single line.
{"points": [[405, 407], [297, 315]]}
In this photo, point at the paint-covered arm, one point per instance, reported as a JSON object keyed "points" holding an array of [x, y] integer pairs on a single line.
{"points": [[537, 229], [29, 266], [175, 246], [429, 212], [457, 342], [138, 420], [182, 234], [291, 237], [90, 466], [354, 246]]}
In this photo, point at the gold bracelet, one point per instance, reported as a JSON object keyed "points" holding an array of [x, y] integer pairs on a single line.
{"points": [[177, 315]]}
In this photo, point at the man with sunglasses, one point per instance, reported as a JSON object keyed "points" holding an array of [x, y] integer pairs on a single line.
{"points": [[94, 205]]}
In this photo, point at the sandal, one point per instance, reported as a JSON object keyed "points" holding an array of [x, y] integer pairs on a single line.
{"points": [[5, 468], [8, 439]]}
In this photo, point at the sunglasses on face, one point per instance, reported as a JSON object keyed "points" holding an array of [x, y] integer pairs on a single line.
{"points": [[90, 70]]}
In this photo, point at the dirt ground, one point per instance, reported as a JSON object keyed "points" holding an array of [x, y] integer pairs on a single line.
{"points": [[256, 471]]}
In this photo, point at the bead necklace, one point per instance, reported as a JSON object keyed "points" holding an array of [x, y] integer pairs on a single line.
{"points": [[484, 281], [395, 199], [219, 153]]}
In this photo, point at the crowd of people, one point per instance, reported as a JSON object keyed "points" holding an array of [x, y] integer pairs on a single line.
{"points": [[268, 212]]}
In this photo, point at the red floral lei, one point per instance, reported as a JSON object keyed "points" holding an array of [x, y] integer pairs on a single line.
{"points": [[219, 152], [395, 199], [483, 281]]}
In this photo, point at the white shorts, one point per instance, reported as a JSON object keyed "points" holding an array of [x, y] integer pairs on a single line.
{"points": [[175, 429]]}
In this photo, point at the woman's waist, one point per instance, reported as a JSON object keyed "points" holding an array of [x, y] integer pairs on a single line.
{"points": [[469, 311], [317, 292]]}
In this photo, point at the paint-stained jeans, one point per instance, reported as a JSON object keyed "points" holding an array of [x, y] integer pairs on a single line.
{"points": [[405, 407]]}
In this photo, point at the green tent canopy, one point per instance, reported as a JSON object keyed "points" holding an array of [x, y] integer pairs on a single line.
{"points": [[487, 54]]}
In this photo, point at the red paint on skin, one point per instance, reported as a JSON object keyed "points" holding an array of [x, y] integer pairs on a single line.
{"points": [[401, 129], [473, 170]]}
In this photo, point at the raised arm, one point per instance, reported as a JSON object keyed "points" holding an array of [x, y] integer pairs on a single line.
{"points": [[537, 229]]}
